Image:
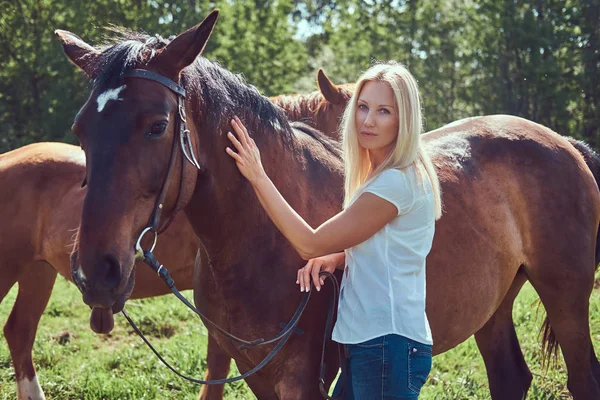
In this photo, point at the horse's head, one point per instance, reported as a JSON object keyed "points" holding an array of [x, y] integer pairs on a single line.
{"points": [[139, 154]]}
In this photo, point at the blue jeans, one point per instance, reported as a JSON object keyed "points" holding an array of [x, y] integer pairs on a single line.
{"points": [[388, 367]]}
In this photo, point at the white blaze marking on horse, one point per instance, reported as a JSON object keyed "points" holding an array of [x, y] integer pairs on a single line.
{"points": [[29, 389], [110, 94]]}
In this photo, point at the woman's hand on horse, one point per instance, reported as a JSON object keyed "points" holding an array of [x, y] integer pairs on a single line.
{"points": [[312, 269], [247, 157]]}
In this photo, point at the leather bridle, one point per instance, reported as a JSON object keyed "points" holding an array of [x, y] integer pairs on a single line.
{"points": [[182, 138]]}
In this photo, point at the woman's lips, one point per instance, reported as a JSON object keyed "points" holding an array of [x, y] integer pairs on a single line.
{"points": [[367, 134]]}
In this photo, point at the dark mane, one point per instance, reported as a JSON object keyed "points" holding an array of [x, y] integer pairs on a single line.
{"points": [[226, 93], [124, 50], [334, 147], [223, 92], [584, 148]]}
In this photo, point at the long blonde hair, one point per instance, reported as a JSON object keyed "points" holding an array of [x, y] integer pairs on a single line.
{"points": [[407, 150]]}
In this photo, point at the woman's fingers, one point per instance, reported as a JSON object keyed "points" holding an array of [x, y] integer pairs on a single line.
{"points": [[311, 272], [233, 154], [242, 126], [315, 278], [240, 130], [306, 272], [239, 147], [304, 284], [301, 279]]}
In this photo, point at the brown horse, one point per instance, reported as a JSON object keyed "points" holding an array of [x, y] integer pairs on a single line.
{"points": [[50, 176], [321, 109], [34, 246], [515, 195]]}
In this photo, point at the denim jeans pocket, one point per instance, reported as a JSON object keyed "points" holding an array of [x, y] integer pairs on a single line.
{"points": [[366, 365], [376, 343], [419, 365]]}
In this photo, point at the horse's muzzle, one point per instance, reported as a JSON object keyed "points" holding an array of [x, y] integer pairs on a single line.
{"points": [[102, 289], [79, 280]]}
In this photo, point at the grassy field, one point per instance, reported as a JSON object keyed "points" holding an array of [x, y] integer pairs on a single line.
{"points": [[75, 363]]}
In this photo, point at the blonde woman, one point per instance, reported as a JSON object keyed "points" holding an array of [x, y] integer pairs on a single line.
{"points": [[392, 200]]}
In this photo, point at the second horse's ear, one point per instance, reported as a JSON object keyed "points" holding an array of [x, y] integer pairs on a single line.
{"points": [[183, 50], [328, 89], [79, 52]]}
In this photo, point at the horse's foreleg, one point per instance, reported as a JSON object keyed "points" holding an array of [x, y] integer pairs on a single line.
{"points": [[508, 374], [218, 363], [301, 377], [295, 386], [565, 289], [35, 288], [261, 388]]}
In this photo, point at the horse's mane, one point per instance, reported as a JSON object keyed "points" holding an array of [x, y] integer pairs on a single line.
{"points": [[223, 92], [298, 106], [226, 93], [123, 50]]}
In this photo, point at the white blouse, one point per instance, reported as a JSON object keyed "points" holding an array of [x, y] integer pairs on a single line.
{"points": [[383, 289]]}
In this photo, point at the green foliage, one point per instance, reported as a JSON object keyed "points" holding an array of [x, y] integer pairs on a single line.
{"points": [[256, 38], [41, 92], [538, 60]]}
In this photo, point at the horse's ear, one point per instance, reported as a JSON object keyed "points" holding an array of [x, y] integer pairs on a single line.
{"points": [[183, 50], [79, 52], [328, 89]]}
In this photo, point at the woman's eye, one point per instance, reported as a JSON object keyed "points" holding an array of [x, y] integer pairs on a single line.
{"points": [[158, 129], [384, 111], [362, 107]]}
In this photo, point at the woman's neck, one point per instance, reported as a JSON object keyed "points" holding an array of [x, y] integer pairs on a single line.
{"points": [[376, 160]]}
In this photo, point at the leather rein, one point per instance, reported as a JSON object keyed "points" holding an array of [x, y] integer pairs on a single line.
{"points": [[184, 142]]}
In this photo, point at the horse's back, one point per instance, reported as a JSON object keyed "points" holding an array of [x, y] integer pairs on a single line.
{"points": [[36, 152], [519, 165], [527, 151]]}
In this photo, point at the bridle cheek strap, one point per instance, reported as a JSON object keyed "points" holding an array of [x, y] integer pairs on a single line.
{"points": [[181, 137]]}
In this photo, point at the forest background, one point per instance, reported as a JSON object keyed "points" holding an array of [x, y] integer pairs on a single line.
{"points": [[539, 60]]}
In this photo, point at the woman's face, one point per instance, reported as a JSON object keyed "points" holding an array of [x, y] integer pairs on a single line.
{"points": [[376, 119]]}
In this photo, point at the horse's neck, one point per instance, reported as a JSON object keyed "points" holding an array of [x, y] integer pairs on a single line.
{"points": [[229, 218]]}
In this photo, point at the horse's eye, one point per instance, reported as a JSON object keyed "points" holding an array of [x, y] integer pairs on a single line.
{"points": [[157, 129]]}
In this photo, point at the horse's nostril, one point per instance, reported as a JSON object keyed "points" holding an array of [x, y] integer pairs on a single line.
{"points": [[110, 272], [79, 280]]}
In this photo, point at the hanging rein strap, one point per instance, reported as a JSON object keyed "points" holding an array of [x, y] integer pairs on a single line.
{"points": [[282, 337]]}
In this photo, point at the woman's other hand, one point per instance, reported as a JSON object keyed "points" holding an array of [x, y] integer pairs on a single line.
{"points": [[312, 269]]}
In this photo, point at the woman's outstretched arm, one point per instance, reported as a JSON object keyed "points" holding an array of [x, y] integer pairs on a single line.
{"points": [[352, 226]]}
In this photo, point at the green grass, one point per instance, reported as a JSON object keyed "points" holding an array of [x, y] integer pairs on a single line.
{"points": [[75, 363]]}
